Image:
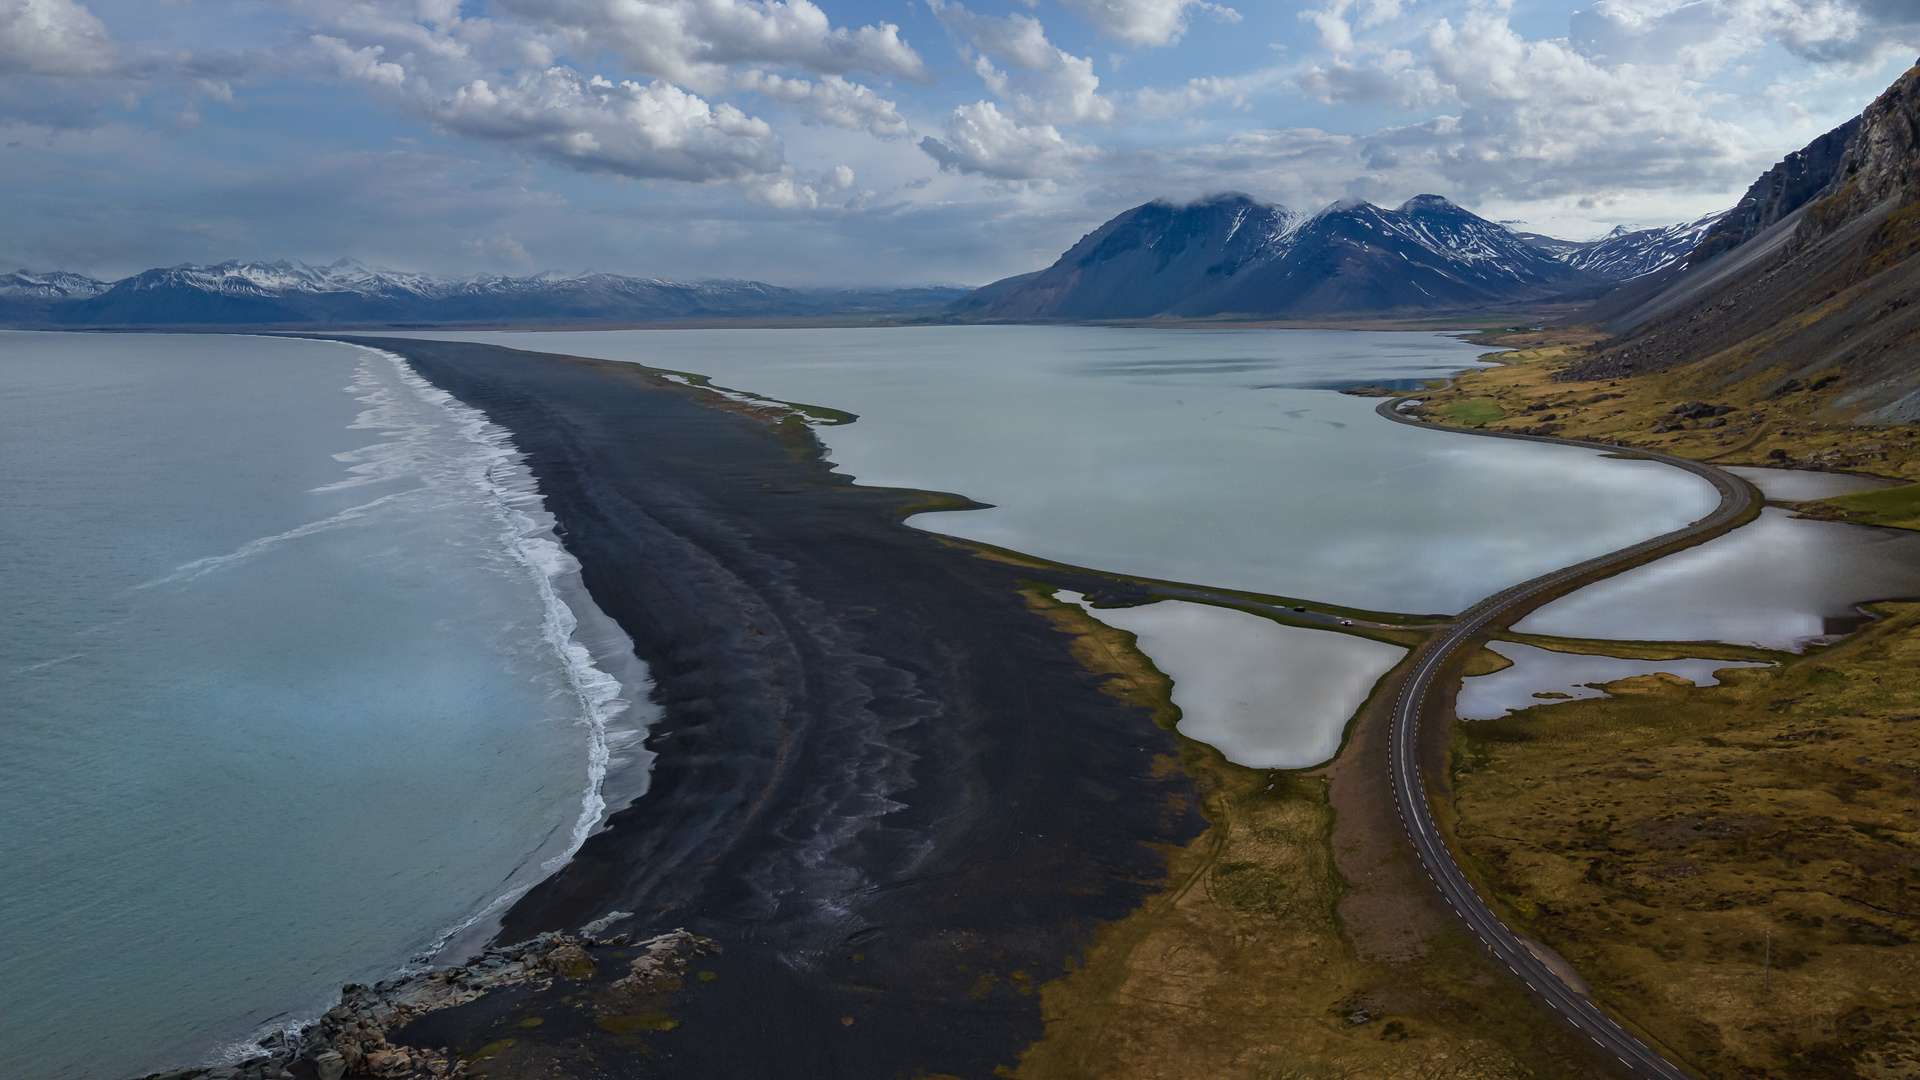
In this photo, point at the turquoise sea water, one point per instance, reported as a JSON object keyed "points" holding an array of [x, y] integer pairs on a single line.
{"points": [[288, 688]]}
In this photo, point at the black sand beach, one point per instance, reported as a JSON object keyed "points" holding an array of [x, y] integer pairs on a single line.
{"points": [[884, 785]]}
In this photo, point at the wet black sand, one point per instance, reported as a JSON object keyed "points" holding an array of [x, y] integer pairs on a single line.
{"points": [[871, 748]]}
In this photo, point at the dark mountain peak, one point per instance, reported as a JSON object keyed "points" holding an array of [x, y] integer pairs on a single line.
{"points": [[1218, 199], [1434, 204], [1348, 206], [1231, 254]]}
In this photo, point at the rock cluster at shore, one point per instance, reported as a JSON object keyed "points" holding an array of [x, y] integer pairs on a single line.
{"points": [[351, 1038]]}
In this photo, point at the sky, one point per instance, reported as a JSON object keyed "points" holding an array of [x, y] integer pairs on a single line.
{"points": [[874, 142]]}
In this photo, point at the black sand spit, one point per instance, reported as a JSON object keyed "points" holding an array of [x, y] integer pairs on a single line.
{"points": [[885, 787]]}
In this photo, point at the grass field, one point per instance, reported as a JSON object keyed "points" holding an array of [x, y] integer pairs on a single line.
{"points": [[1898, 507], [1472, 412], [1734, 868]]}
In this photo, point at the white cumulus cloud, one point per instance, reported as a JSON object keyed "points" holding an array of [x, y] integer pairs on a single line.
{"points": [[981, 139], [831, 99], [1146, 22], [53, 37], [1042, 83], [695, 42]]}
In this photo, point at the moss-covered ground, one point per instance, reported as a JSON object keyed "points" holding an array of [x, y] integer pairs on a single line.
{"points": [[1734, 868], [1472, 412], [1898, 507]]}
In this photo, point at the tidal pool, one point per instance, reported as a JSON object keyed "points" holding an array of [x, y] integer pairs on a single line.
{"points": [[1538, 671], [1799, 485], [1266, 695], [1780, 582], [1212, 456]]}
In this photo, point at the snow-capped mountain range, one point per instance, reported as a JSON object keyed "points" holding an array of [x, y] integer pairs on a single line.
{"points": [[1233, 255], [1228, 255], [1625, 254], [294, 293]]}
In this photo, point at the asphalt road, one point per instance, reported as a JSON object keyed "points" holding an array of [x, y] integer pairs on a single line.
{"points": [[1409, 786]]}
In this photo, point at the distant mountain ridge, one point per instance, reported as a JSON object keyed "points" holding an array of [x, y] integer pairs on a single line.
{"points": [[1233, 255], [1627, 254], [295, 293]]}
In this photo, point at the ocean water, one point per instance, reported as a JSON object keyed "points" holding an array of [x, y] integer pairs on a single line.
{"points": [[294, 684], [1220, 457]]}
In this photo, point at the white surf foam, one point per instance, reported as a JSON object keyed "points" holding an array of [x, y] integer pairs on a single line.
{"points": [[585, 641], [500, 474]]}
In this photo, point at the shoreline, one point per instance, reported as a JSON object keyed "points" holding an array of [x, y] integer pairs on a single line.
{"points": [[889, 913]]}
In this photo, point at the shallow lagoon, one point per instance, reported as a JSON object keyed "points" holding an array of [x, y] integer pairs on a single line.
{"points": [[1799, 485], [1542, 671], [1780, 582], [1211, 456], [1266, 695]]}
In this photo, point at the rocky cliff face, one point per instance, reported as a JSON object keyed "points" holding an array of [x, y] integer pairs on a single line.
{"points": [[1825, 290], [1881, 163], [1794, 182]]}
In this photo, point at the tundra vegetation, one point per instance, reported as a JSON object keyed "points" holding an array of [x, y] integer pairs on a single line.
{"points": [[1734, 869], [1264, 957]]}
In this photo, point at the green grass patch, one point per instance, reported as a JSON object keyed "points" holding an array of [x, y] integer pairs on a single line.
{"points": [[1473, 412], [1887, 506]]}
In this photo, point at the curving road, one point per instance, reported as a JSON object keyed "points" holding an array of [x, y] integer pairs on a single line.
{"points": [[1409, 786]]}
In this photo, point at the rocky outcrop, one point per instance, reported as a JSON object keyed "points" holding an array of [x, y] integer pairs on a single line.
{"points": [[1820, 298], [1881, 163], [351, 1039], [1799, 179]]}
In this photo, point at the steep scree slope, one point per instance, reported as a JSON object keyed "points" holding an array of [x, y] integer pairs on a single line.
{"points": [[1829, 286]]}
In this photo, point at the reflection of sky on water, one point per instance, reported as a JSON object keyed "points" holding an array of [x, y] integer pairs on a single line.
{"points": [[1194, 455], [1484, 697], [1267, 696], [1798, 485], [1771, 583]]}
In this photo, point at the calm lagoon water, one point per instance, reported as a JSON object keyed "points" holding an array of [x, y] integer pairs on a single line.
{"points": [[1798, 485], [1535, 671], [288, 690], [1780, 582], [1211, 456], [1266, 695]]}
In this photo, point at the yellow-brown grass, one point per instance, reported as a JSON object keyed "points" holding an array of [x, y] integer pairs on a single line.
{"points": [[1791, 430], [1658, 837]]}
